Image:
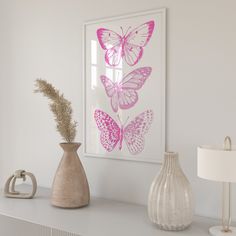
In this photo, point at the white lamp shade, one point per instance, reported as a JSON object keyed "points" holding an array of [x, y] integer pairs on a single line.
{"points": [[215, 163]]}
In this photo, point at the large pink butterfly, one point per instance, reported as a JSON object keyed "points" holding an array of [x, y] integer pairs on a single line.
{"points": [[133, 133], [123, 94], [128, 46]]}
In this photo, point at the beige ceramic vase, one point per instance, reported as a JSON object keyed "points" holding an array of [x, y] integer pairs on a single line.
{"points": [[70, 186]]}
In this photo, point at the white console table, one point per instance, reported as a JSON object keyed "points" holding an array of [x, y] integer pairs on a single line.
{"points": [[36, 217]]}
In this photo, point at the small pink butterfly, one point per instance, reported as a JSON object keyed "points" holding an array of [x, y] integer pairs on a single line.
{"points": [[123, 94], [130, 47], [133, 133]]}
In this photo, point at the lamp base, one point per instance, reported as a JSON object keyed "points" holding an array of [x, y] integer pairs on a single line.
{"points": [[217, 231]]}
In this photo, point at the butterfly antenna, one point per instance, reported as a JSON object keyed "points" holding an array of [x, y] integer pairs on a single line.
{"points": [[118, 116], [127, 30], [122, 30], [120, 120], [126, 120]]}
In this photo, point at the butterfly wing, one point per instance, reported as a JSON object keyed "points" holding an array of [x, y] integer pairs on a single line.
{"points": [[111, 91], [141, 35], [132, 54], [134, 132], [115, 102], [113, 55], [136, 78], [135, 41], [127, 95], [110, 131], [108, 85], [108, 38], [112, 43]]}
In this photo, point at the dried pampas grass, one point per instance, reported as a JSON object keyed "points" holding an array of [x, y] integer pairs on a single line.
{"points": [[61, 109]]}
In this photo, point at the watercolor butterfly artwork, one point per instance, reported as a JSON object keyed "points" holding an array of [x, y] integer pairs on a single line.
{"points": [[129, 45], [124, 87], [124, 94], [132, 133]]}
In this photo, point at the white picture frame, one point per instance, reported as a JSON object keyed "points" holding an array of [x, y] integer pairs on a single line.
{"points": [[99, 72]]}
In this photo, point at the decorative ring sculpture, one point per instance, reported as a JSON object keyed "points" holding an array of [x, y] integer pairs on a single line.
{"points": [[9, 189]]}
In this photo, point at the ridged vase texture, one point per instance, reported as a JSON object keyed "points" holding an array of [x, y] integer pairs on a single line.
{"points": [[170, 202], [70, 186]]}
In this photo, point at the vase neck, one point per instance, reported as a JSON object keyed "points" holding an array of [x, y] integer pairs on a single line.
{"points": [[171, 162], [70, 147]]}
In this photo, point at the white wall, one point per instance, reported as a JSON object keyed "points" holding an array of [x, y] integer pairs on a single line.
{"points": [[43, 39]]}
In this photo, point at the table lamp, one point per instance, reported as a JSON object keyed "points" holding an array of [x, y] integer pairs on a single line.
{"points": [[219, 164]]}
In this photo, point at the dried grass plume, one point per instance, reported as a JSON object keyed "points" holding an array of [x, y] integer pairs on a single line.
{"points": [[61, 109]]}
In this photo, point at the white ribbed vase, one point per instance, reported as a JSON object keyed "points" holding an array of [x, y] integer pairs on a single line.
{"points": [[170, 202]]}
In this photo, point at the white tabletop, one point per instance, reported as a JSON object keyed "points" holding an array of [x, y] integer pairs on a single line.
{"points": [[101, 218]]}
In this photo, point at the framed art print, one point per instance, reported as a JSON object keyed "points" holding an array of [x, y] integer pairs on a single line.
{"points": [[124, 87]]}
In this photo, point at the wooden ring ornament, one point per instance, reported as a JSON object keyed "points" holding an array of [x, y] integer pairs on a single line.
{"points": [[9, 189]]}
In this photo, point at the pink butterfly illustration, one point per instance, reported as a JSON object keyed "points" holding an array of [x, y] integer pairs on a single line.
{"points": [[133, 133], [123, 94], [128, 46]]}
